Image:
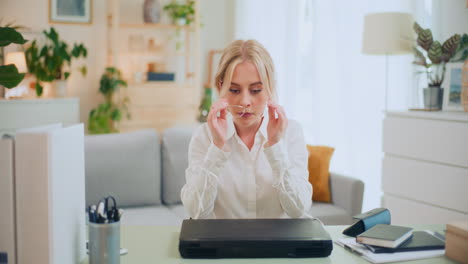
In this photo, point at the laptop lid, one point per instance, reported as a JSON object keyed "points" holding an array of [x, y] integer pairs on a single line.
{"points": [[232, 238]]}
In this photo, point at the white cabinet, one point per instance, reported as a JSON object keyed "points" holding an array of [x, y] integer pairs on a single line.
{"points": [[24, 113], [425, 166]]}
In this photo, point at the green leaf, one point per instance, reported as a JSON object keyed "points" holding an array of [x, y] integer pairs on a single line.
{"points": [[9, 76], [66, 75], [116, 115], [435, 52], [10, 35], [450, 45], [425, 39], [38, 89], [419, 57]]}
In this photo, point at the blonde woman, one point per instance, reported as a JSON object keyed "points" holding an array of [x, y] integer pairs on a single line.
{"points": [[248, 160]]}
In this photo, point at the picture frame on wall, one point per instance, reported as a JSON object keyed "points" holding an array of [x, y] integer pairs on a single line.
{"points": [[452, 87], [70, 12]]}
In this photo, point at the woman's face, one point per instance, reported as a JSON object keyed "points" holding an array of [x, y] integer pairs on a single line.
{"points": [[246, 95]]}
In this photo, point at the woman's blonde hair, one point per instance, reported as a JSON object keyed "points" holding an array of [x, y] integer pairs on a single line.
{"points": [[246, 50]]}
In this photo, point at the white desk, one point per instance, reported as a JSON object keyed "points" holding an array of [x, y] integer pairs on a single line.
{"points": [[159, 244]]}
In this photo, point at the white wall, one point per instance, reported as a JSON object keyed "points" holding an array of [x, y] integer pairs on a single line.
{"points": [[34, 14], [449, 17], [217, 30]]}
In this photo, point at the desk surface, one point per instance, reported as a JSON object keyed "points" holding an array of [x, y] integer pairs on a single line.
{"points": [[159, 244]]}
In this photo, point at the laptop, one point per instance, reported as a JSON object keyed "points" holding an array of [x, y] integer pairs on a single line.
{"points": [[254, 238]]}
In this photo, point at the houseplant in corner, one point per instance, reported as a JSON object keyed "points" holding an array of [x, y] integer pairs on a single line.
{"points": [[433, 56], [52, 62], [9, 75], [103, 118]]}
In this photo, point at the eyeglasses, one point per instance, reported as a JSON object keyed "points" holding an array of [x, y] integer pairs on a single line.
{"points": [[241, 110]]}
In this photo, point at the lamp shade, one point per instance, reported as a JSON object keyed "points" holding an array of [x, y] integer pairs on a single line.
{"points": [[388, 33], [17, 58]]}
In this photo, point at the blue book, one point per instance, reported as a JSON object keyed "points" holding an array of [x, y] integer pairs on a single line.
{"points": [[160, 76]]}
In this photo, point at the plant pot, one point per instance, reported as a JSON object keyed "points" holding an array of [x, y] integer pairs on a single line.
{"points": [[60, 88], [433, 98], [181, 21]]}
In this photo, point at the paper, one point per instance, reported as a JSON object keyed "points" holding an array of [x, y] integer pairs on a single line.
{"points": [[351, 245]]}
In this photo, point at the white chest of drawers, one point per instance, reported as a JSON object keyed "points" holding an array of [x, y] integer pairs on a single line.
{"points": [[425, 166]]}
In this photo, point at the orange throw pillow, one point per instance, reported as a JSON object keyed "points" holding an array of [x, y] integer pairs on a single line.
{"points": [[319, 164]]}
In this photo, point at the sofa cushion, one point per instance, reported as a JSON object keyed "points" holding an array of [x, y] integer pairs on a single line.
{"points": [[330, 214], [319, 175], [175, 144], [126, 165], [150, 215]]}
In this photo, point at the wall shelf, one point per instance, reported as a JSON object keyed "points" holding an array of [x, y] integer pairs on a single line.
{"points": [[157, 26], [134, 45]]}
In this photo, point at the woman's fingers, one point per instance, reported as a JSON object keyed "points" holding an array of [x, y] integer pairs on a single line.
{"points": [[223, 112], [282, 116], [218, 106], [272, 110]]}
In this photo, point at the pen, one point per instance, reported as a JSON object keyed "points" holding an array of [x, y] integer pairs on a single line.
{"points": [[92, 214], [104, 212]]}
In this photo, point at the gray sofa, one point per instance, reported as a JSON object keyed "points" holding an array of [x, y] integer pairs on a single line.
{"points": [[145, 173]]}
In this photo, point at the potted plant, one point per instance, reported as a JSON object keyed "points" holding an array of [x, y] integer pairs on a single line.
{"points": [[103, 118], [52, 62], [181, 14], [433, 56], [9, 75]]}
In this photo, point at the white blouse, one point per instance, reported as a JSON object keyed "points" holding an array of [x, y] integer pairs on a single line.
{"points": [[234, 182]]}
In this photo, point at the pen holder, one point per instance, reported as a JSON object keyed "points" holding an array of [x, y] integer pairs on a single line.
{"points": [[104, 243]]}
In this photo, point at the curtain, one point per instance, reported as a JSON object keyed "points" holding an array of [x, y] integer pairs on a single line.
{"points": [[326, 83]]}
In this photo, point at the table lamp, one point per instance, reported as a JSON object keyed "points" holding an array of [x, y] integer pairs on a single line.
{"points": [[387, 34]]}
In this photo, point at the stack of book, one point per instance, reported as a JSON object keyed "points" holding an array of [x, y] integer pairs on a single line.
{"points": [[387, 243], [391, 238]]}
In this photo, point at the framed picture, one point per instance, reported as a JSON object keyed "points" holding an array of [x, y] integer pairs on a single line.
{"points": [[70, 11], [452, 87]]}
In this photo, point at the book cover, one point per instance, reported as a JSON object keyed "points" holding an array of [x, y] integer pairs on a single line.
{"points": [[382, 235], [421, 240]]}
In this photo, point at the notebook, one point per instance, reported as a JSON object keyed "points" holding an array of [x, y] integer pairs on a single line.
{"points": [[361, 250], [421, 240], [382, 235], [254, 238]]}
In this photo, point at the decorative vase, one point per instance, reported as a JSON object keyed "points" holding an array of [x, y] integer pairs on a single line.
{"points": [[433, 98], [151, 11], [60, 88]]}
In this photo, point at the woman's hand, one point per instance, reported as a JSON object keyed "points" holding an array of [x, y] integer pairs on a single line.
{"points": [[218, 125], [276, 125]]}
